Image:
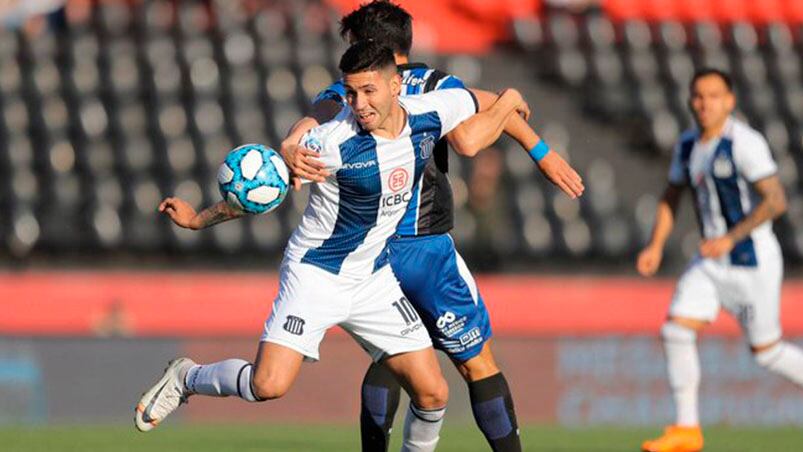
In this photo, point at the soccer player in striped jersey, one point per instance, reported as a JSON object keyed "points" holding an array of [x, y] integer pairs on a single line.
{"points": [[335, 268], [432, 273], [732, 176]]}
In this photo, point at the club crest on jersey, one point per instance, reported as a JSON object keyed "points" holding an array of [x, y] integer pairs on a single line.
{"points": [[426, 146], [398, 179], [294, 325], [723, 167], [313, 144]]}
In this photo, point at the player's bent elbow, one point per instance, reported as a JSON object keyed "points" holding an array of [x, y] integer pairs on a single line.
{"points": [[463, 144]]}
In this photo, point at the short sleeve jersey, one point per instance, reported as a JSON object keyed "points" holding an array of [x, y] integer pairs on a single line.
{"points": [[721, 172], [351, 216], [431, 211]]}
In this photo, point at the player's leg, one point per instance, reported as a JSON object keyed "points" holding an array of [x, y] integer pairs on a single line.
{"points": [[384, 322], [271, 375], [491, 400], [420, 375], [378, 404], [440, 286], [758, 310], [287, 340], [695, 304]]}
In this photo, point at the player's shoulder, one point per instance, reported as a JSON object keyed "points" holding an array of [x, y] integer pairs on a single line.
{"points": [[433, 100], [688, 136], [335, 92], [428, 78], [744, 134], [337, 130]]}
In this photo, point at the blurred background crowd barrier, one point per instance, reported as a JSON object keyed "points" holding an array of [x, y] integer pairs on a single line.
{"points": [[108, 106]]}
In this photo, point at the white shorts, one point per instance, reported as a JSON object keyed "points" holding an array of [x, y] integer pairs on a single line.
{"points": [[751, 294], [374, 311]]}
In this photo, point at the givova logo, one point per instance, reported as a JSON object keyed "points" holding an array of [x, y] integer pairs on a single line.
{"points": [[359, 165]]}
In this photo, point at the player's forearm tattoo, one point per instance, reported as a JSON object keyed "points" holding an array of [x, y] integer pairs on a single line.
{"points": [[218, 213], [766, 210]]}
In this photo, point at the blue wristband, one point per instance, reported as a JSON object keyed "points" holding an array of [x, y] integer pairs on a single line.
{"points": [[539, 151]]}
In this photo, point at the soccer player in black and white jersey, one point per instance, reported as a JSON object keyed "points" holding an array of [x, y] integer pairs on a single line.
{"points": [[335, 268], [432, 274], [728, 167]]}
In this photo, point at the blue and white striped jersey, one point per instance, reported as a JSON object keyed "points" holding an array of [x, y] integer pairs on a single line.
{"points": [[721, 172], [351, 216], [431, 211]]}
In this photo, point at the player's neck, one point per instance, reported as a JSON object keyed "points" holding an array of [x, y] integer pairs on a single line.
{"points": [[713, 131], [393, 125], [400, 59]]}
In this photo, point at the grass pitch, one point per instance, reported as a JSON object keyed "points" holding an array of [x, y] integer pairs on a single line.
{"points": [[301, 438]]}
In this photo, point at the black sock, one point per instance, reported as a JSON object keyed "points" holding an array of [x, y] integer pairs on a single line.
{"points": [[380, 399], [493, 410]]}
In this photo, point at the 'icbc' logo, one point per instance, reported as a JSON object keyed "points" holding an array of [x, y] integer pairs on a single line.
{"points": [[398, 179]]}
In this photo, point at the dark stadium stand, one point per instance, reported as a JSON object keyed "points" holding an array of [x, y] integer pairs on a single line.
{"points": [[634, 74], [105, 116]]}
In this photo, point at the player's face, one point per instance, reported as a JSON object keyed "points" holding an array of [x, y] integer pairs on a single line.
{"points": [[711, 101], [371, 96]]}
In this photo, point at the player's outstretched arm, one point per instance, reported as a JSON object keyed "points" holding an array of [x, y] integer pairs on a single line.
{"points": [[483, 128], [772, 205], [551, 164], [183, 214], [649, 260]]}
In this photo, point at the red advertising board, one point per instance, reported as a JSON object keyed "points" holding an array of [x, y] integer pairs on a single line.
{"points": [[205, 304]]}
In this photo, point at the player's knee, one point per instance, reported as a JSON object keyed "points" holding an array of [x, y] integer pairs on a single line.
{"points": [[433, 395], [675, 332], [269, 387]]}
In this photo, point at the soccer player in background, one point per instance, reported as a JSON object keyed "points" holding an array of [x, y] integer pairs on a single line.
{"points": [[335, 268], [732, 176], [431, 272]]}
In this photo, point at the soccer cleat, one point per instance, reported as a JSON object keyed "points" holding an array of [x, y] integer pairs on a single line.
{"points": [[676, 439], [163, 397]]}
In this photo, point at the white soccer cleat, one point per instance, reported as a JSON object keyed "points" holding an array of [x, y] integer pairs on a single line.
{"points": [[163, 397]]}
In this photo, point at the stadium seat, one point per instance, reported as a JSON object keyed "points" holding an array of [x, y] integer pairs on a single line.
{"points": [[143, 100]]}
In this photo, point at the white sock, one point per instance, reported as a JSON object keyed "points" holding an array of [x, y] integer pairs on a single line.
{"points": [[231, 377], [422, 429], [683, 366], [784, 359]]}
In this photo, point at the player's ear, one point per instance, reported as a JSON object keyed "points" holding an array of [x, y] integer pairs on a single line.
{"points": [[395, 84]]}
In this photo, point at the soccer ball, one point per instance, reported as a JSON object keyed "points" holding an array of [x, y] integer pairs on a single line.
{"points": [[253, 178]]}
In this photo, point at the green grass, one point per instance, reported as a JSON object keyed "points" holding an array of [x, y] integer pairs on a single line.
{"points": [[299, 438]]}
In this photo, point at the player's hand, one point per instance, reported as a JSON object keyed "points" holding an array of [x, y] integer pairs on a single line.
{"points": [[560, 173], [180, 211], [649, 260], [715, 248], [303, 163], [515, 98]]}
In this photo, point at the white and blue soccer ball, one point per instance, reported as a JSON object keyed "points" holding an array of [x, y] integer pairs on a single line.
{"points": [[253, 178]]}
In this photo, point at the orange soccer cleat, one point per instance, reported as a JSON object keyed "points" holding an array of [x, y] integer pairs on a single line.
{"points": [[676, 439]]}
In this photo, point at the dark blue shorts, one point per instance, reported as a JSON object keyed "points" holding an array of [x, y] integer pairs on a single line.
{"points": [[437, 282]]}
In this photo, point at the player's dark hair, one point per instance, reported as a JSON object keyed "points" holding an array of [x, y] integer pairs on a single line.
{"points": [[706, 71], [365, 56], [380, 20]]}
